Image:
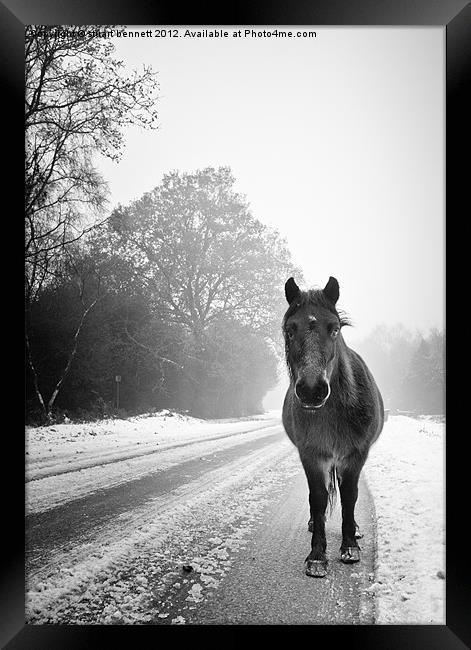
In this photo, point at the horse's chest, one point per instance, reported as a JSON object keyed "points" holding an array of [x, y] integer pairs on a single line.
{"points": [[327, 441]]}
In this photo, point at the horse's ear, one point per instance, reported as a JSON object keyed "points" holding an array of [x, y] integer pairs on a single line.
{"points": [[331, 290], [291, 290]]}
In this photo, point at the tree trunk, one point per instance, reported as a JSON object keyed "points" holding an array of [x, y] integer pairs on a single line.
{"points": [[72, 353], [35, 377], [197, 406]]}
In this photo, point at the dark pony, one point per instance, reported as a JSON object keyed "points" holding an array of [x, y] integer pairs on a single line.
{"points": [[333, 412]]}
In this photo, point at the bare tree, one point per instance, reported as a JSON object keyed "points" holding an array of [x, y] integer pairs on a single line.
{"points": [[197, 248], [78, 99], [202, 258]]}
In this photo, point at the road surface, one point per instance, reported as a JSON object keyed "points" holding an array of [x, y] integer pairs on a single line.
{"points": [[218, 536]]}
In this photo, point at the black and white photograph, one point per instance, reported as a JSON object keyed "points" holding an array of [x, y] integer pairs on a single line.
{"points": [[235, 325]]}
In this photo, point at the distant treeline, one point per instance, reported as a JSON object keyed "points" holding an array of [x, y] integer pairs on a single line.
{"points": [[180, 294], [408, 367]]}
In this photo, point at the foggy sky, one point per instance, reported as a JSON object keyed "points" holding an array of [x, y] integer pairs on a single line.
{"points": [[337, 141]]}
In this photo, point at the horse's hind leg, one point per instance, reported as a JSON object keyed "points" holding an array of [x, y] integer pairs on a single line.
{"points": [[316, 561], [350, 551]]}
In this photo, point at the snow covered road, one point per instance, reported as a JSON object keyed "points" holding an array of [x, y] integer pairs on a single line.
{"points": [[115, 552], [170, 520], [65, 522]]}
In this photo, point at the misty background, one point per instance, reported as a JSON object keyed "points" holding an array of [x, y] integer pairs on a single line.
{"points": [[169, 198]]}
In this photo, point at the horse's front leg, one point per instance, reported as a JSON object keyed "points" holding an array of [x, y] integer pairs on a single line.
{"points": [[316, 561], [348, 485]]}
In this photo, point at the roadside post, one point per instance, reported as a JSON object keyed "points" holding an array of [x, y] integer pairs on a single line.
{"points": [[118, 381]]}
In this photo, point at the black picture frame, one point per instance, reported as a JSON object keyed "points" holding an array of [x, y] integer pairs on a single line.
{"points": [[455, 17]]}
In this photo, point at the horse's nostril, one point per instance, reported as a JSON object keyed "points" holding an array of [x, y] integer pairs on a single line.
{"points": [[311, 394], [321, 391], [300, 390]]}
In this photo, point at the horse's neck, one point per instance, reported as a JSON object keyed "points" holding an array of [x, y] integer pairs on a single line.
{"points": [[343, 377]]}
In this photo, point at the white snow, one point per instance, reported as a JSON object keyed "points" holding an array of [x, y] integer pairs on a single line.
{"points": [[405, 473]]}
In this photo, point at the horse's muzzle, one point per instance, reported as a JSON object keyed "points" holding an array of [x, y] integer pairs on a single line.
{"points": [[312, 397]]}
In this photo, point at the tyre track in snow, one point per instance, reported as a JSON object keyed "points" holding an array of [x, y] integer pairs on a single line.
{"points": [[58, 489], [267, 584]]}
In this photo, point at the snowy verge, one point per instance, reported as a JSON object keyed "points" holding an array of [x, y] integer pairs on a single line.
{"points": [[68, 447], [405, 473]]}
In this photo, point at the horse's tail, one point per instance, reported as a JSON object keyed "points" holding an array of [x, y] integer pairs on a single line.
{"points": [[332, 489]]}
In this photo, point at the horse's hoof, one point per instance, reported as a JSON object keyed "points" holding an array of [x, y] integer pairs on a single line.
{"points": [[350, 555], [316, 568], [310, 526]]}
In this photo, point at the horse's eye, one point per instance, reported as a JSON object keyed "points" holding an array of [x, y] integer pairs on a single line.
{"points": [[335, 331], [290, 334]]}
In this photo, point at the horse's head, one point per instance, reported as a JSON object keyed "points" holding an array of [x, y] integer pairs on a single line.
{"points": [[311, 328]]}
